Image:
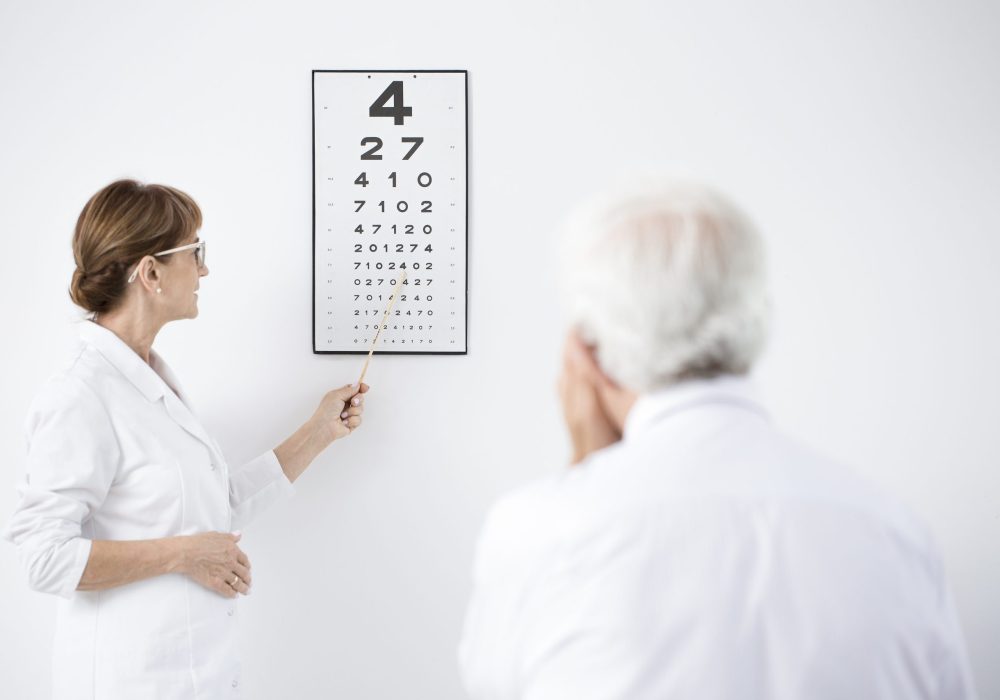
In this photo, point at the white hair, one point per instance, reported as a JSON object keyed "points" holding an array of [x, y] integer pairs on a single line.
{"points": [[668, 283]]}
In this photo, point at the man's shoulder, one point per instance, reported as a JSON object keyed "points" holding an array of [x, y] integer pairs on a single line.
{"points": [[809, 481], [532, 521], [532, 510], [754, 465], [559, 500], [624, 489]]}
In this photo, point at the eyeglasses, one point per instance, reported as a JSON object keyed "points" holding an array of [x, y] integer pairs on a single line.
{"points": [[199, 256]]}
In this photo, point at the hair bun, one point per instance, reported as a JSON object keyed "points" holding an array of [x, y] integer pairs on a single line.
{"points": [[96, 291]]}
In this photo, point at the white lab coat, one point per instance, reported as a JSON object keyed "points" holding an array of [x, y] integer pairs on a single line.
{"points": [[115, 453], [706, 556]]}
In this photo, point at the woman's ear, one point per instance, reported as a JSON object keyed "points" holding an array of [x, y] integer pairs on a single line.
{"points": [[149, 274]]}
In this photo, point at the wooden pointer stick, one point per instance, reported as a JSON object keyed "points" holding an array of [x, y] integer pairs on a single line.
{"points": [[392, 300]]}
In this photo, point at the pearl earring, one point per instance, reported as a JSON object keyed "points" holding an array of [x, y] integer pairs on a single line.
{"points": [[158, 290]]}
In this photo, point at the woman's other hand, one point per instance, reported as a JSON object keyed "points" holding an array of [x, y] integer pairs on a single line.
{"points": [[215, 561], [339, 412]]}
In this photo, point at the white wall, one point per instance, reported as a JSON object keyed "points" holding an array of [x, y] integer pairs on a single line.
{"points": [[861, 136]]}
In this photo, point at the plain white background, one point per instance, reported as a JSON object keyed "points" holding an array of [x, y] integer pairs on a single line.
{"points": [[861, 136]]}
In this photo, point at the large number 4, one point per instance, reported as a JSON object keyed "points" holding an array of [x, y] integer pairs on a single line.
{"points": [[398, 111]]}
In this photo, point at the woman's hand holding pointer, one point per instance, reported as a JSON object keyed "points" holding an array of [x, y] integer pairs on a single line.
{"points": [[338, 415], [340, 410]]}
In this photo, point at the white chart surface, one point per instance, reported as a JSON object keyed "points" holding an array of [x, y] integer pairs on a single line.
{"points": [[390, 194]]}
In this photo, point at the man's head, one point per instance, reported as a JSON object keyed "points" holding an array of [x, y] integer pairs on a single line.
{"points": [[666, 283]]}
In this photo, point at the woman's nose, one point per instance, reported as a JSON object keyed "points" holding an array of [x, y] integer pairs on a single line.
{"points": [[203, 271]]}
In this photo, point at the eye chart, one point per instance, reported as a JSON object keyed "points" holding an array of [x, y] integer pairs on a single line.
{"points": [[390, 192]]}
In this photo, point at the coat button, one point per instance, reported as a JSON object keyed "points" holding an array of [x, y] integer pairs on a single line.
{"points": [[235, 683], [230, 612], [213, 466]]}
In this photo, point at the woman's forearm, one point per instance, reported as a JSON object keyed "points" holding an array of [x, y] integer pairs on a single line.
{"points": [[117, 562], [301, 448], [338, 414]]}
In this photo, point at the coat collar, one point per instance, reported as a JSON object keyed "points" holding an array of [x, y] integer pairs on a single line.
{"points": [[154, 380], [655, 406], [125, 360]]}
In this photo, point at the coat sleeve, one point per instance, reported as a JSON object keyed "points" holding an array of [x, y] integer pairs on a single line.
{"points": [[73, 455], [255, 486]]}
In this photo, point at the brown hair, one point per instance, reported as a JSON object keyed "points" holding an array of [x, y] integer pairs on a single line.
{"points": [[120, 225]]}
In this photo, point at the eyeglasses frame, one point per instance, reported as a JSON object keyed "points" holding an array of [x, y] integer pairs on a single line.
{"points": [[189, 246]]}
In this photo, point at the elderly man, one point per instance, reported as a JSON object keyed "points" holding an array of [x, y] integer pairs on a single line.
{"points": [[693, 551]]}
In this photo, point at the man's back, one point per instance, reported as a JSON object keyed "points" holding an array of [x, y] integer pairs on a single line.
{"points": [[706, 556]]}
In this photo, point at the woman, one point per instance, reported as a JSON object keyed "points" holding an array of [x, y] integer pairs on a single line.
{"points": [[130, 511]]}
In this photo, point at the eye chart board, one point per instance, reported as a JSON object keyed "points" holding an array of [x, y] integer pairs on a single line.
{"points": [[390, 193]]}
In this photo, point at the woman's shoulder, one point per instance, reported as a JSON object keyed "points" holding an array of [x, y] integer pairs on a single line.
{"points": [[70, 409], [77, 382]]}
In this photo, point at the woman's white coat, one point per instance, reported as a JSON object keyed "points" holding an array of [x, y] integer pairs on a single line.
{"points": [[115, 453]]}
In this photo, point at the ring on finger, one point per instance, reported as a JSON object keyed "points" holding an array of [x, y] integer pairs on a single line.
{"points": [[236, 579]]}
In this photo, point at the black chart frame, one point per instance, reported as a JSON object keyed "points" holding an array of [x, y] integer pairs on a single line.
{"points": [[465, 73]]}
